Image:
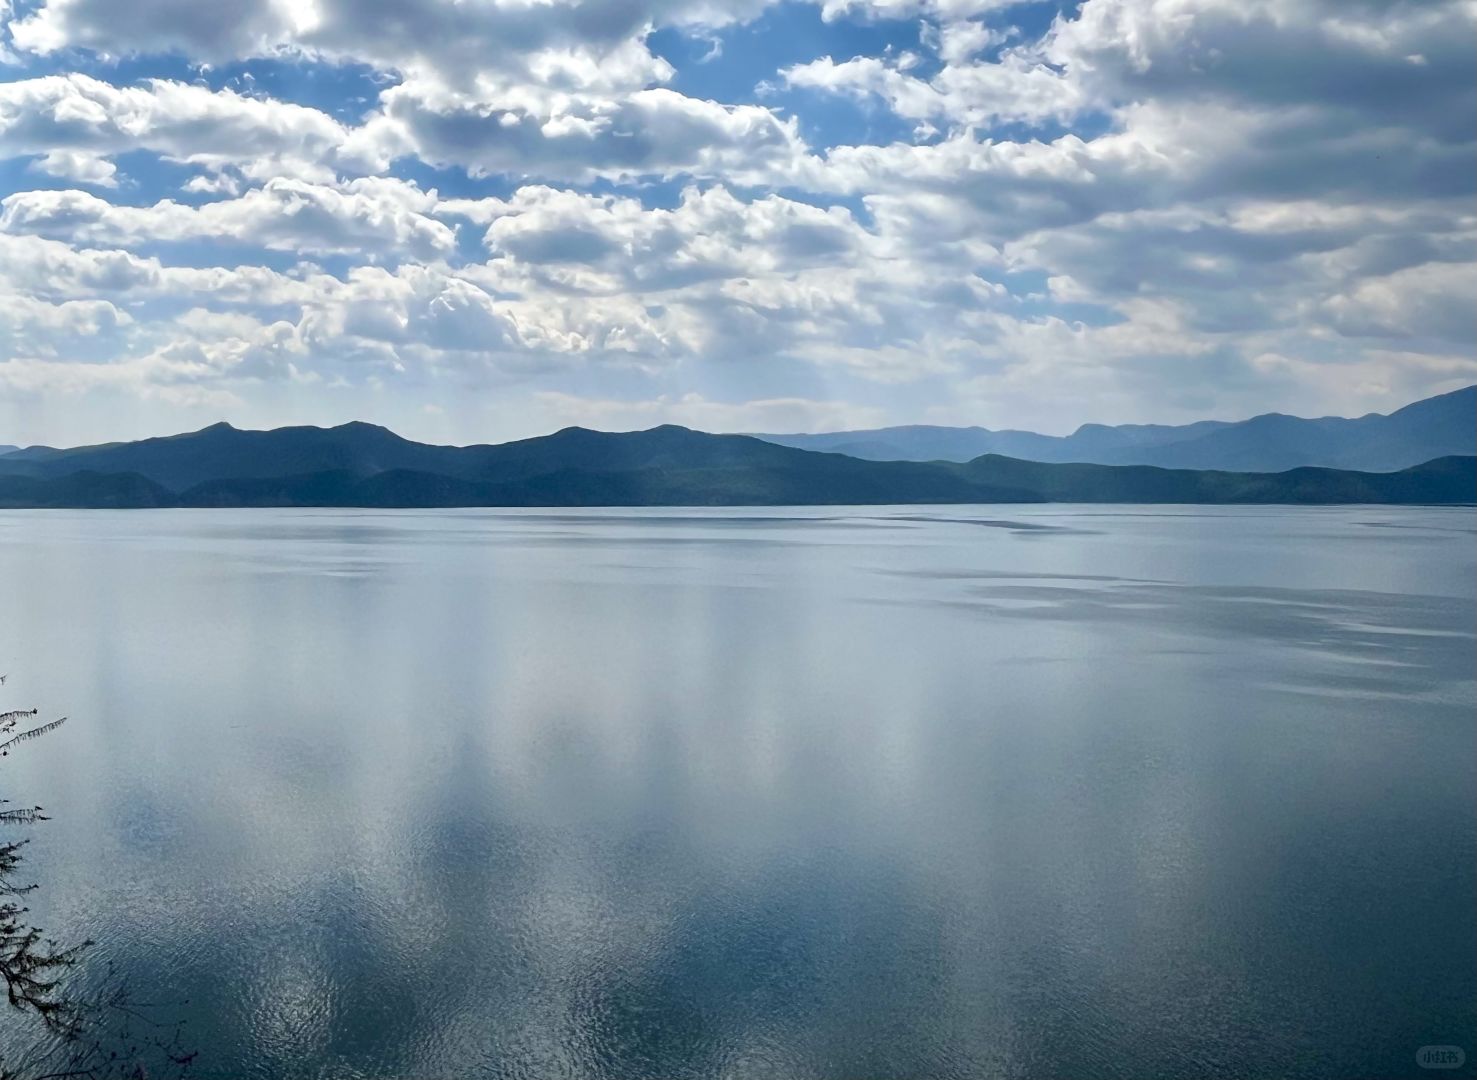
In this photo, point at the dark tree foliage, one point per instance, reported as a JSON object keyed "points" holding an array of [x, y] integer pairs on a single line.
{"points": [[106, 1032]]}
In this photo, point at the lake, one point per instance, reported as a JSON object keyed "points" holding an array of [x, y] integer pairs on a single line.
{"points": [[1047, 791]]}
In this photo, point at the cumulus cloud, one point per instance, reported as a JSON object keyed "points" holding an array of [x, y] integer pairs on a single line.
{"points": [[832, 10], [72, 165], [1378, 62], [30, 326], [1017, 86], [737, 277], [372, 216], [79, 115], [617, 245], [569, 124], [1430, 302], [456, 40], [653, 132]]}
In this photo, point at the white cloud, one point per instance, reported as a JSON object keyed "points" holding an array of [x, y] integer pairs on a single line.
{"points": [[376, 217], [40, 328], [74, 165], [82, 115], [1430, 302], [54, 270], [744, 278], [908, 9], [615, 244], [654, 132], [450, 39], [1018, 86]]}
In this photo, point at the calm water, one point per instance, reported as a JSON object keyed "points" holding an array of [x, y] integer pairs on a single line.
{"points": [[888, 793]]}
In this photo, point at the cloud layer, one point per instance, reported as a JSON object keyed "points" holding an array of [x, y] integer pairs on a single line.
{"points": [[482, 220]]}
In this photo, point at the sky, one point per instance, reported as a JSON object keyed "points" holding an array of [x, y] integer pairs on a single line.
{"points": [[476, 220]]}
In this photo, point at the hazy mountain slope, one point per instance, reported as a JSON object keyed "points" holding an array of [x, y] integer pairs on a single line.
{"points": [[925, 442], [1435, 427]]}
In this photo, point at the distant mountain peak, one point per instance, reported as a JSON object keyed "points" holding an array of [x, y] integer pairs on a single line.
{"points": [[1270, 442], [575, 430]]}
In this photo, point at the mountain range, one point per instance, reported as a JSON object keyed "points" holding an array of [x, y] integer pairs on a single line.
{"points": [[359, 464], [1436, 427]]}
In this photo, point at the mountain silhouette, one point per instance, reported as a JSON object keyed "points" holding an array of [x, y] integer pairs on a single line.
{"points": [[363, 465], [1435, 427]]}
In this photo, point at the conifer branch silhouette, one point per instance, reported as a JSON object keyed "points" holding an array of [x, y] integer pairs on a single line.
{"points": [[107, 1034]]}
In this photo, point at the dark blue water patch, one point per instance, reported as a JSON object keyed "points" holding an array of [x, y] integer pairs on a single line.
{"points": [[1030, 527], [1014, 575], [1425, 528]]}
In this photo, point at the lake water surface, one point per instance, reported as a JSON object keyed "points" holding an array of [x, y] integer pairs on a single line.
{"points": [[1057, 792]]}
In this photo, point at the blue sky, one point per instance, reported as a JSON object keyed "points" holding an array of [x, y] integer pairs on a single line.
{"points": [[483, 219]]}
